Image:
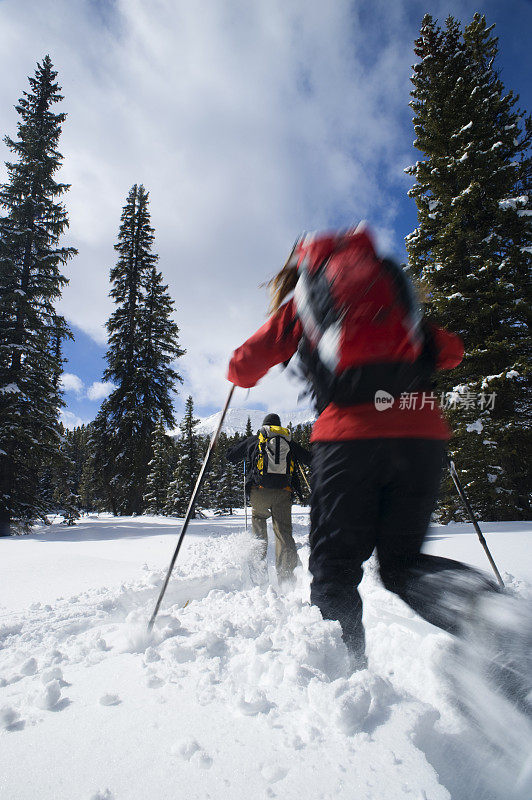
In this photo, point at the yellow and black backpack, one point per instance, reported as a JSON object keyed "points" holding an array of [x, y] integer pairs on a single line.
{"points": [[274, 464]]}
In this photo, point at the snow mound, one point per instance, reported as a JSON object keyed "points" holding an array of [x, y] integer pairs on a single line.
{"points": [[48, 697]]}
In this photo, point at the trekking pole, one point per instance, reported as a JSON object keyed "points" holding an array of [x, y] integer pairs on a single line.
{"points": [[199, 481], [467, 505], [304, 476], [245, 498]]}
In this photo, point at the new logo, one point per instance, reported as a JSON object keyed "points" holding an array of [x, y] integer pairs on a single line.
{"points": [[383, 400]]}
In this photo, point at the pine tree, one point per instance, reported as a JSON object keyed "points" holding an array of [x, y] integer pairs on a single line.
{"points": [[143, 343], [65, 494], [160, 471], [211, 484], [189, 463], [249, 429], [301, 434], [31, 281], [90, 489], [230, 489], [99, 480], [471, 250]]}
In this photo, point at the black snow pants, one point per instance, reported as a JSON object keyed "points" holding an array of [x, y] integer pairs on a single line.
{"points": [[380, 493]]}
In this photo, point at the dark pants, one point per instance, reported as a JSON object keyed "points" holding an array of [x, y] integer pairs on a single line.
{"points": [[380, 493]]}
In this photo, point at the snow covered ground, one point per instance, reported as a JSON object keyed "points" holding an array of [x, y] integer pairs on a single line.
{"points": [[242, 691]]}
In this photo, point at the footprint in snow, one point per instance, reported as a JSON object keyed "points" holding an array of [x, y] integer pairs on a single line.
{"points": [[106, 795], [190, 750], [8, 717], [254, 703], [273, 772], [154, 682], [54, 674], [55, 656], [110, 700], [201, 759]]}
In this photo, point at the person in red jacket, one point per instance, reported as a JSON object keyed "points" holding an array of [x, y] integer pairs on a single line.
{"points": [[375, 472]]}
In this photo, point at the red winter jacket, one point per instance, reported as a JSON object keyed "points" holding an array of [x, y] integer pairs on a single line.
{"points": [[277, 340]]}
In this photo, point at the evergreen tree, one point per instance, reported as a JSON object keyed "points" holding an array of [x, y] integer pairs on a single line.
{"points": [[211, 484], [100, 479], [471, 250], [65, 494], [87, 495], [143, 343], [160, 471], [301, 434], [90, 489], [31, 281], [230, 489], [189, 464], [70, 494], [249, 429]]}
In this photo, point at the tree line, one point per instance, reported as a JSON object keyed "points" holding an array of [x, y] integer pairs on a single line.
{"points": [[470, 255], [76, 487]]}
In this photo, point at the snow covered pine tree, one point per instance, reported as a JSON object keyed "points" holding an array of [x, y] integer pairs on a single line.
{"points": [[189, 463], [143, 342], [160, 471], [31, 281], [472, 250]]}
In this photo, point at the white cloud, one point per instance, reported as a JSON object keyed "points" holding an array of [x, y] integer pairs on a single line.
{"points": [[71, 383], [71, 420], [247, 122], [99, 390]]}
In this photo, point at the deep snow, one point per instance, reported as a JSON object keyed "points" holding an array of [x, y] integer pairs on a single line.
{"points": [[242, 691]]}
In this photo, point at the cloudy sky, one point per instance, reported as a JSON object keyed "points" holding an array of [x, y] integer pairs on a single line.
{"points": [[248, 121]]}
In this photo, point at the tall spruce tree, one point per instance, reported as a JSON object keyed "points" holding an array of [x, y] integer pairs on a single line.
{"points": [[189, 463], [31, 281], [472, 250], [143, 344]]}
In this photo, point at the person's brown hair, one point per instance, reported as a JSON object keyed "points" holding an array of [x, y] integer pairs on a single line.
{"points": [[283, 283]]}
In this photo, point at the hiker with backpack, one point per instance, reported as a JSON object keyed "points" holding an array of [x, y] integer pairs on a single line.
{"points": [[378, 444], [272, 458]]}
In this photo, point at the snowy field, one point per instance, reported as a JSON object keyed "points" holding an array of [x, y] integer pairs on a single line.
{"points": [[242, 691]]}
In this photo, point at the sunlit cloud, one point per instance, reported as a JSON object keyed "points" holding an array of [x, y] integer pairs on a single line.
{"points": [[71, 383], [100, 390]]}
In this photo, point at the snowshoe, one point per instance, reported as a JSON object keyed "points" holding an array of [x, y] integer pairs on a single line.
{"points": [[488, 673]]}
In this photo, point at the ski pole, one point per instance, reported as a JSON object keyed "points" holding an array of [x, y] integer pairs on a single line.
{"points": [[304, 477], [467, 505], [191, 502], [245, 498]]}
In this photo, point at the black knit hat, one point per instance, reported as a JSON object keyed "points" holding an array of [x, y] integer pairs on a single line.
{"points": [[272, 419]]}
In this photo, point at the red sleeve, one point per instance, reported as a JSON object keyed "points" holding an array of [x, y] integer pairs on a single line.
{"points": [[450, 348], [276, 341]]}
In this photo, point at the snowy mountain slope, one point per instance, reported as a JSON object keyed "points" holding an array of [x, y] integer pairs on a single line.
{"points": [[240, 692], [236, 420]]}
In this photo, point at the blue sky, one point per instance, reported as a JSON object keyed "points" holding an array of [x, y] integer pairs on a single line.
{"points": [[248, 123]]}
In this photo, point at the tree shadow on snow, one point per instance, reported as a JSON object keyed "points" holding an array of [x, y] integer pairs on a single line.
{"points": [[94, 529]]}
